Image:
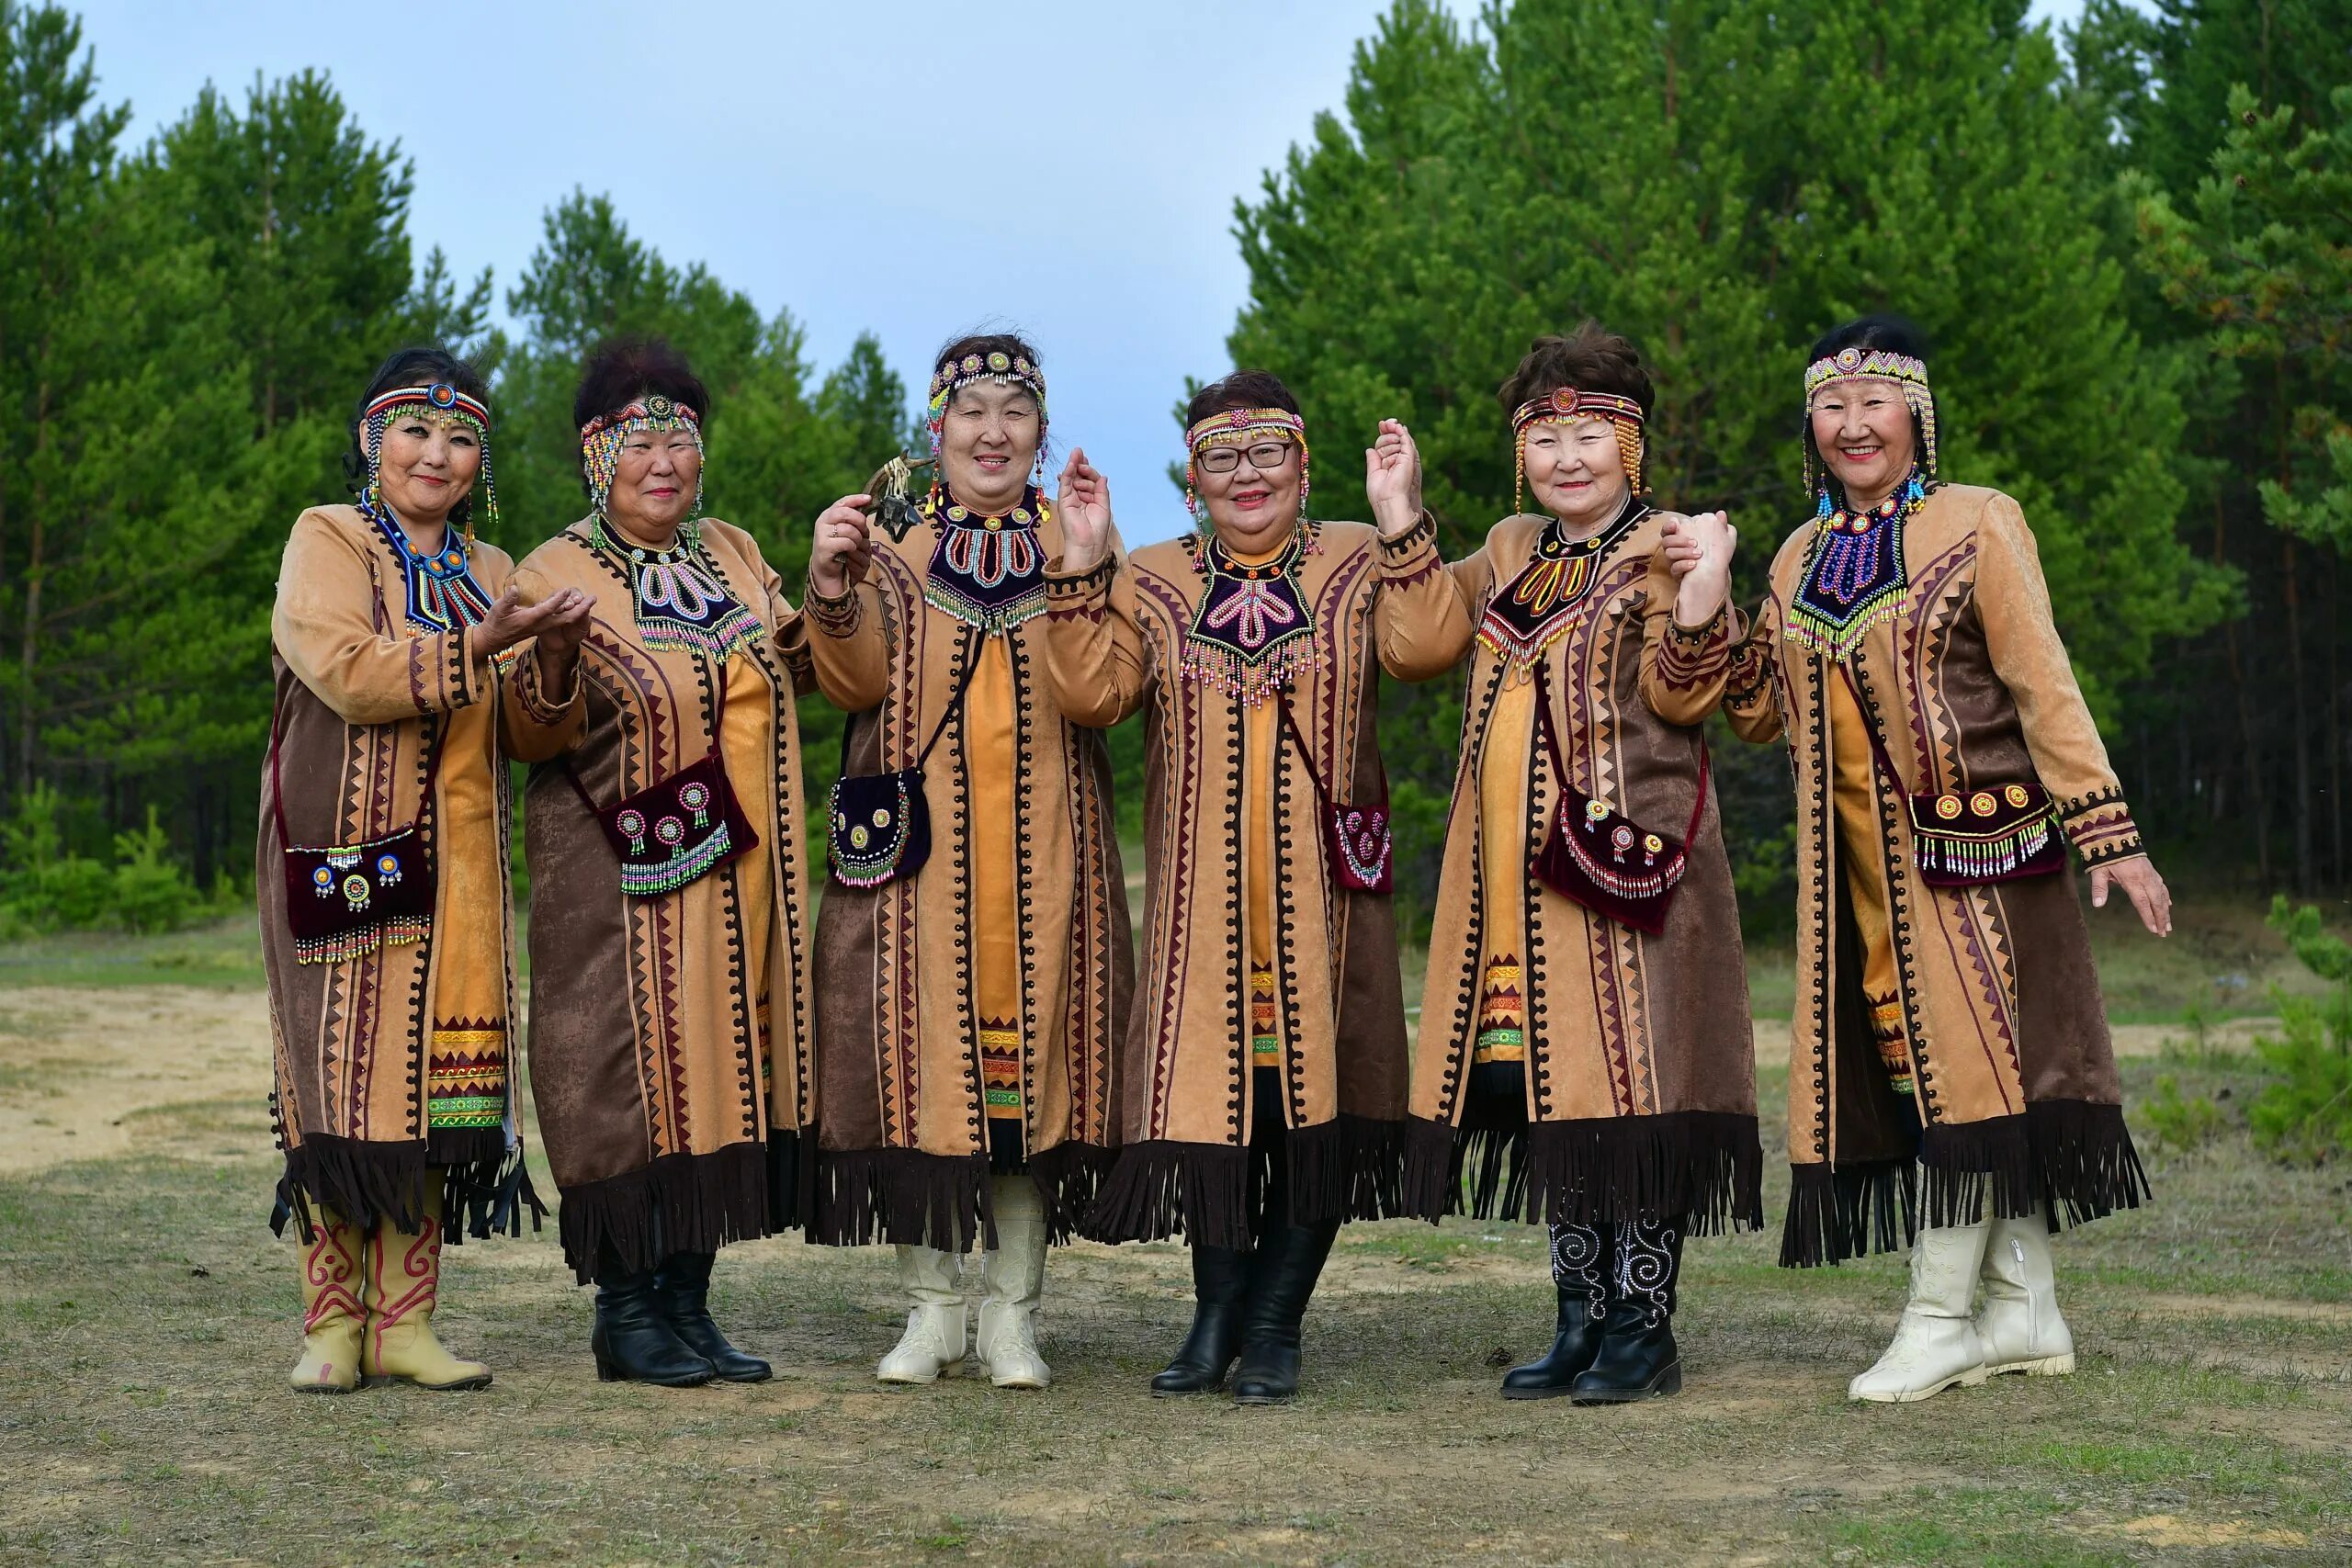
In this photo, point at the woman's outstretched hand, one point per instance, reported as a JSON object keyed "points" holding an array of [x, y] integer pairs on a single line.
{"points": [[2137, 876], [1698, 551], [1392, 479], [842, 549], [1082, 502]]}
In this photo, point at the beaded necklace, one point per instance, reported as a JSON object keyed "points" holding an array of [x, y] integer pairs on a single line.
{"points": [[443, 595], [987, 570], [1252, 631], [1855, 577], [1535, 608], [679, 602]]}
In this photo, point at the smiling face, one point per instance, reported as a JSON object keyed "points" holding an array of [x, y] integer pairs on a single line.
{"points": [[1577, 473], [656, 477], [1863, 430], [427, 465], [1252, 507], [988, 443]]}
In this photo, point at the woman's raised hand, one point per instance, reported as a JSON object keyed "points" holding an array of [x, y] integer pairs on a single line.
{"points": [[843, 550], [511, 621], [1082, 502], [1698, 551], [1392, 479]]}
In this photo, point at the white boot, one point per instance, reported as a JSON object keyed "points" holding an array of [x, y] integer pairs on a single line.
{"points": [[2021, 1327], [1935, 1345], [932, 1344], [1014, 1272]]}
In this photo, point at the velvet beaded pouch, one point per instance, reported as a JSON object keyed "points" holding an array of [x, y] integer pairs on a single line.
{"points": [[878, 826], [1602, 858], [680, 828], [344, 901], [1996, 832], [1355, 837]]}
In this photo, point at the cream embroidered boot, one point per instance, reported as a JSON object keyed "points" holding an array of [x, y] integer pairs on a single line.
{"points": [[1935, 1345], [332, 1316], [933, 1346], [2019, 1327], [403, 1288], [1015, 1271]]}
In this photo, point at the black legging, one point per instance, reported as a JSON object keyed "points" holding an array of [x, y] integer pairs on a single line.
{"points": [[1635, 1261]]}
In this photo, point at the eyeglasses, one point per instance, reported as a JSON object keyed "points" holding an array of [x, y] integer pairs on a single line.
{"points": [[1265, 456]]}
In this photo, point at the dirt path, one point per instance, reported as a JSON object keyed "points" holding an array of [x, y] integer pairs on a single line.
{"points": [[2131, 1039], [77, 1065]]}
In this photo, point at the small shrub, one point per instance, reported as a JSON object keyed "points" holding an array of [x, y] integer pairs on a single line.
{"points": [[2182, 1124], [2303, 1116], [150, 892]]}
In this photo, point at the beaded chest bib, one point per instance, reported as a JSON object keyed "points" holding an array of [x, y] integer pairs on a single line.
{"points": [[679, 602], [1527, 616], [1252, 631], [987, 571], [442, 594], [1855, 577]]}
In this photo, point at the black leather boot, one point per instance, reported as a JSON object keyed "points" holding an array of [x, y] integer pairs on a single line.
{"points": [[1574, 1343], [1220, 1284], [1281, 1280], [1637, 1360], [634, 1341], [684, 1283]]}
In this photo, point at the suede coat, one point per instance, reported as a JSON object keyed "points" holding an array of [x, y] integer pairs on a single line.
{"points": [[391, 1067], [1116, 646], [2018, 1103], [905, 1146], [1639, 1086], [669, 1032]]}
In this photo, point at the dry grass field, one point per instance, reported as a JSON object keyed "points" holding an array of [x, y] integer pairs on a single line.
{"points": [[147, 1319]]}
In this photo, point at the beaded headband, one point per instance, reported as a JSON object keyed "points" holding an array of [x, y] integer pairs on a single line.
{"points": [[1565, 405], [438, 403], [601, 439], [1852, 364], [1239, 427], [1005, 369]]}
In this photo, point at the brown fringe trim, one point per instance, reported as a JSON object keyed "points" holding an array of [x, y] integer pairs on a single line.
{"points": [[2076, 1154], [678, 1203], [1069, 1178], [1163, 1187], [363, 1179], [485, 1186], [1848, 1210], [1351, 1168], [1705, 1165], [902, 1196]]}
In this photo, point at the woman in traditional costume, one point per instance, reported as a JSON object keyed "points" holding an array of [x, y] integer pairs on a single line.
{"points": [[383, 875], [1947, 1016], [1262, 1075], [669, 898], [977, 968], [1585, 1023]]}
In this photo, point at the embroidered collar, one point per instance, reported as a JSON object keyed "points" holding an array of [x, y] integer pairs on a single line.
{"points": [[1252, 631], [1526, 615], [443, 595], [987, 570], [682, 605], [1855, 577]]}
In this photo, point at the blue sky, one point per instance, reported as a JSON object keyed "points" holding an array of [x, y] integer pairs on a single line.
{"points": [[911, 167]]}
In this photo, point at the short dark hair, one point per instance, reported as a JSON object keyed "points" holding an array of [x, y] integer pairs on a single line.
{"points": [[1591, 359], [418, 365], [1242, 389], [620, 370], [1899, 335]]}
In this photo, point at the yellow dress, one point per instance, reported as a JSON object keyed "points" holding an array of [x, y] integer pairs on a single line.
{"points": [[1852, 787]]}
